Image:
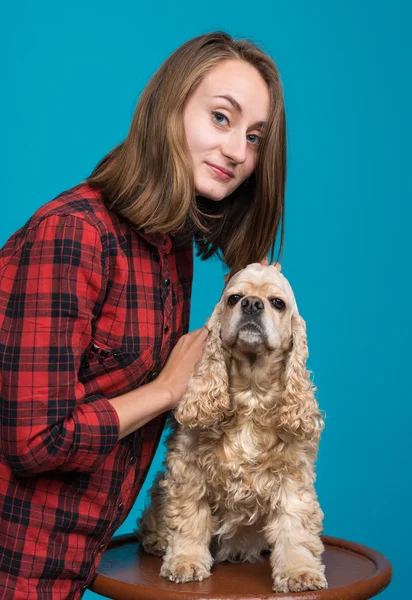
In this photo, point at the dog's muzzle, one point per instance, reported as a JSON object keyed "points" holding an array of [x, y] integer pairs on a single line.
{"points": [[251, 305]]}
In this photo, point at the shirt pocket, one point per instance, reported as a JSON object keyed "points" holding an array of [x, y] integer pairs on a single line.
{"points": [[111, 371]]}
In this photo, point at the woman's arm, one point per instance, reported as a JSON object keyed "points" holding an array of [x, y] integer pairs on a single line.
{"points": [[52, 284]]}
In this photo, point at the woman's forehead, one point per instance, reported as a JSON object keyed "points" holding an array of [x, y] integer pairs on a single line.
{"points": [[240, 80]]}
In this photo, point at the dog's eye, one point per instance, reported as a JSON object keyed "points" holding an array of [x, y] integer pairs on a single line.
{"points": [[278, 303], [232, 300]]}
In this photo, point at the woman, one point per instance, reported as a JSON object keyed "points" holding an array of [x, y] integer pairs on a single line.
{"points": [[94, 304]]}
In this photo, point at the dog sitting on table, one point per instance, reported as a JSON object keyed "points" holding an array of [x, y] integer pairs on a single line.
{"points": [[239, 476]]}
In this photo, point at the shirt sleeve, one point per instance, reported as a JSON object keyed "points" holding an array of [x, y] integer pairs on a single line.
{"points": [[50, 289]]}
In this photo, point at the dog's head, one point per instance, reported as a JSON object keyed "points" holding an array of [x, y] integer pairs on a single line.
{"points": [[256, 311], [256, 316]]}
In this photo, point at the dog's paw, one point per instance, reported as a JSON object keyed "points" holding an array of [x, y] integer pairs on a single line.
{"points": [[153, 544], [299, 581], [181, 569]]}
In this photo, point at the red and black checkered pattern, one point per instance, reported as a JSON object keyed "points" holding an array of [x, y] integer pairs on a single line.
{"points": [[90, 308]]}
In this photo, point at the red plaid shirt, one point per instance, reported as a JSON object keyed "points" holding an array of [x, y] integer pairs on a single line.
{"points": [[90, 308]]}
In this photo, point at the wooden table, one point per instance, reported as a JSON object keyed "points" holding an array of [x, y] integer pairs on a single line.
{"points": [[126, 572]]}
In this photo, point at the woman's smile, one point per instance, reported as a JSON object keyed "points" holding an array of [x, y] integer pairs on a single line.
{"points": [[221, 174]]}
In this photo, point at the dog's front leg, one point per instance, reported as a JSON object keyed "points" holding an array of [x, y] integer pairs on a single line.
{"points": [[293, 532], [190, 524]]}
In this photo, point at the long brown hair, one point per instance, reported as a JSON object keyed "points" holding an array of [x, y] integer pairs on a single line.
{"points": [[146, 178]]}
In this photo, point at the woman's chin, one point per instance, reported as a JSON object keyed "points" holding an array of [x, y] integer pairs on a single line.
{"points": [[210, 194]]}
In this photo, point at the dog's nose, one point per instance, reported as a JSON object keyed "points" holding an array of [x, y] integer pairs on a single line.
{"points": [[252, 305]]}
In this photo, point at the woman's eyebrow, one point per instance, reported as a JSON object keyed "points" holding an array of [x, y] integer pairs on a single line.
{"points": [[236, 106]]}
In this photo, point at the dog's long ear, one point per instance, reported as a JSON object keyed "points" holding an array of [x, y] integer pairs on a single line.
{"points": [[299, 413], [206, 399]]}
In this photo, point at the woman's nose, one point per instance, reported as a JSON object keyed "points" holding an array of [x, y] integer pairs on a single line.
{"points": [[235, 147]]}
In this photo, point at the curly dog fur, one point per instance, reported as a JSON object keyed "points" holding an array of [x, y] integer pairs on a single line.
{"points": [[239, 473]]}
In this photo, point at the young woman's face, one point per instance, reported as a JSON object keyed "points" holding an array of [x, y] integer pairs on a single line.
{"points": [[219, 134]]}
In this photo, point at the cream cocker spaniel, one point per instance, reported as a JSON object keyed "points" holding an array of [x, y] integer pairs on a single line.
{"points": [[239, 473]]}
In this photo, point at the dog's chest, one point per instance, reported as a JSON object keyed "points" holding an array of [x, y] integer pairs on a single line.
{"points": [[242, 446], [242, 466]]}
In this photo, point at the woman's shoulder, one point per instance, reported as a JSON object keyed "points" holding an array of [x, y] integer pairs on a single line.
{"points": [[80, 201], [72, 212]]}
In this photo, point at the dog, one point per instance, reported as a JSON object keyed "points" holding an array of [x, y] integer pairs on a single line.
{"points": [[239, 476]]}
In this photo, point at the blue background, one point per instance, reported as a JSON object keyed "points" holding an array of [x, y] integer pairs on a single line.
{"points": [[72, 77]]}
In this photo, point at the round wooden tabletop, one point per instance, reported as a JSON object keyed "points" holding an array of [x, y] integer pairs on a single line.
{"points": [[353, 571]]}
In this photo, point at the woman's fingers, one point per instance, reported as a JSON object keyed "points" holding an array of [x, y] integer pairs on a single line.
{"points": [[182, 360], [200, 333]]}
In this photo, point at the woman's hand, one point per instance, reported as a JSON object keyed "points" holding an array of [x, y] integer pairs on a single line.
{"points": [[180, 365], [137, 407], [265, 263]]}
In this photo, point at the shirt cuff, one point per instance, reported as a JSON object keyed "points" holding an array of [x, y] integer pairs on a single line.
{"points": [[96, 433]]}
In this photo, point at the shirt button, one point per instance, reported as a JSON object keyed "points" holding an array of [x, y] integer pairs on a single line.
{"points": [[153, 375], [120, 506], [83, 588], [132, 460], [166, 328], [167, 281], [102, 546]]}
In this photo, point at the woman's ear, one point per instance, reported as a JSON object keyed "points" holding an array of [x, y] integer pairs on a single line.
{"points": [[206, 399], [299, 412]]}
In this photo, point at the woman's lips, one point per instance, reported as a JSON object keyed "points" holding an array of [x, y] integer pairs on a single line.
{"points": [[220, 173]]}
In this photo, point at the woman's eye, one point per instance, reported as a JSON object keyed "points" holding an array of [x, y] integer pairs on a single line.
{"points": [[234, 299], [257, 137], [278, 303], [218, 118], [217, 115]]}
